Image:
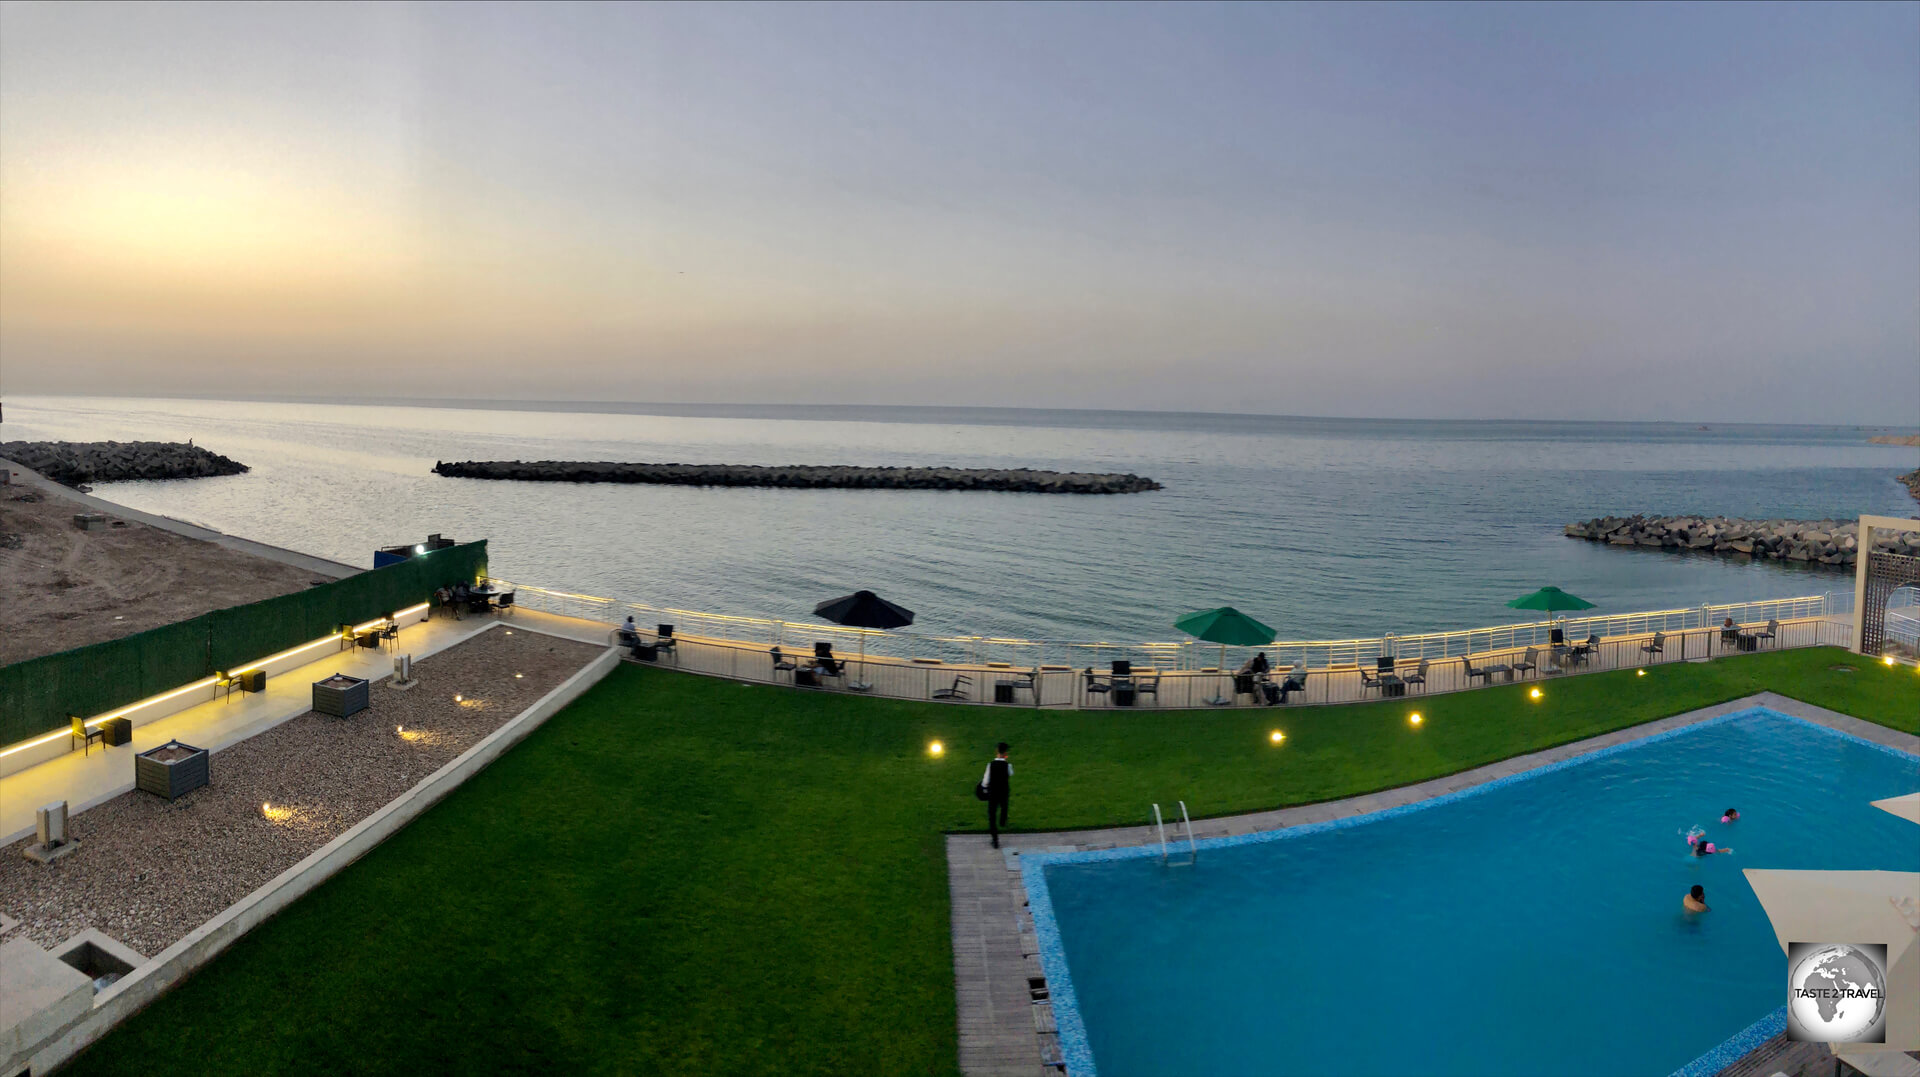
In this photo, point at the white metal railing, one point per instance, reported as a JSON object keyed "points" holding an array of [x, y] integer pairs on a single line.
{"points": [[1188, 655], [1189, 675]]}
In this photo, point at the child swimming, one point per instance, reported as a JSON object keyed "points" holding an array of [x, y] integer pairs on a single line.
{"points": [[1698, 845], [1731, 815]]}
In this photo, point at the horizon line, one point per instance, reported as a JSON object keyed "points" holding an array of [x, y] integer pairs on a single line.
{"points": [[630, 407]]}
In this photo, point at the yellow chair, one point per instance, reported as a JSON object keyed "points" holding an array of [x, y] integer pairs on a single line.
{"points": [[87, 736]]}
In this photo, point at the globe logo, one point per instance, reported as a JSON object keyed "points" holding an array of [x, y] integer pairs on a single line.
{"points": [[1837, 992]]}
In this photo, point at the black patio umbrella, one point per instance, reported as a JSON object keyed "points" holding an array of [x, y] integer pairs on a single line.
{"points": [[863, 609]]}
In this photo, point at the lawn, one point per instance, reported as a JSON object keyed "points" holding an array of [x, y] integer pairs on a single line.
{"points": [[691, 876]]}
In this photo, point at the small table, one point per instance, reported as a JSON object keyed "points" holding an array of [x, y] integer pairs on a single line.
{"points": [[1391, 685]]}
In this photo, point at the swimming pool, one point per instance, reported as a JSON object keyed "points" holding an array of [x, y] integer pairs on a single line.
{"points": [[1531, 925]]}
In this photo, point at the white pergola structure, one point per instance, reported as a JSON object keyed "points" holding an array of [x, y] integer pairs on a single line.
{"points": [[1875, 576]]}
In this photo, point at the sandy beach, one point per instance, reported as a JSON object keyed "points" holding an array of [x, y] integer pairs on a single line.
{"points": [[62, 587]]}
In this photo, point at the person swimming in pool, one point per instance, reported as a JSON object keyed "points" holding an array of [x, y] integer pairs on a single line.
{"points": [[1731, 815], [1696, 899], [1698, 845]]}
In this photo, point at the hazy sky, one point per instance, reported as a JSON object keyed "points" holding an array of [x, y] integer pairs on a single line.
{"points": [[1706, 212]]}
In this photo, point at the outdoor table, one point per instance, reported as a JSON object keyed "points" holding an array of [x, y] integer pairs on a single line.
{"points": [[1391, 685], [1506, 672]]}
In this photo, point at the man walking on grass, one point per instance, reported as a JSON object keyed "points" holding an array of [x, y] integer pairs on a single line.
{"points": [[998, 782]]}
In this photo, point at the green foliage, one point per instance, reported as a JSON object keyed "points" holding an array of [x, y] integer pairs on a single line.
{"points": [[685, 875], [37, 695]]}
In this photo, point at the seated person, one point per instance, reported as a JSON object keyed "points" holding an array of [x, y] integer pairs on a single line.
{"points": [[1256, 666], [1696, 899]]}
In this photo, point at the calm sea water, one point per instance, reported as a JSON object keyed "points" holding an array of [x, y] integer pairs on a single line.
{"points": [[1324, 528], [1529, 926]]}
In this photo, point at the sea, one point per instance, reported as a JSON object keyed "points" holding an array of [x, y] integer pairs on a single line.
{"points": [[1323, 528]]}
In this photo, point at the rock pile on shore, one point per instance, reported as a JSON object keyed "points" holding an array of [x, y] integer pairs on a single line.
{"points": [[1911, 480], [74, 462], [808, 477], [1823, 542]]}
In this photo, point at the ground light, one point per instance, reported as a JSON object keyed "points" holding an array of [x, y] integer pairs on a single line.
{"points": [[1639, 672], [1414, 719], [458, 699], [936, 748], [1535, 693], [517, 676], [1888, 660], [1276, 736]]}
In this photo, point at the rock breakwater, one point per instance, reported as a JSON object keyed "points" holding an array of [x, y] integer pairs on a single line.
{"points": [[803, 476], [72, 463], [1834, 543]]}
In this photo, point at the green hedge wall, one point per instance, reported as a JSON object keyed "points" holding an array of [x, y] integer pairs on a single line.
{"points": [[37, 695]]}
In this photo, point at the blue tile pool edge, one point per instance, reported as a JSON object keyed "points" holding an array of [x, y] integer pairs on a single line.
{"points": [[1077, 1052]]}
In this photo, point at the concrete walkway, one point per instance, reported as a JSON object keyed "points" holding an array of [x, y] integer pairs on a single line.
{"points": [[1005, 1030], [319, 566], [87, 778]]}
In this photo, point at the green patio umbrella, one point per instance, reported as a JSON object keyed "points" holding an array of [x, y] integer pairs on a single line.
{"points": [[1550, 600], [1225, 626]]}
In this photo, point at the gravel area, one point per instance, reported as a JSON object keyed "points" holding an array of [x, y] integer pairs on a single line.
{"points": [[148, 871]]}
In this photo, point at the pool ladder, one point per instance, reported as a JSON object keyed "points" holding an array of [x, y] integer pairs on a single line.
{"points": [[1193, 850]]}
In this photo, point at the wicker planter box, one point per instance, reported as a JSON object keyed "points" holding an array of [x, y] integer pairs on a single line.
{"points": [[171, 769], [341, 696]]}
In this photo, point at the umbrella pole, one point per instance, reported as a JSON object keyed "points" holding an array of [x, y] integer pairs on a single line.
{"points": [[862, 685]]}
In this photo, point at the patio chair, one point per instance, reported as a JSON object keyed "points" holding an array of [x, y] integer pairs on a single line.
{"points": [[505, 603], [959, 689], [1772, 631], [1529, 663], [782, 664], [1583, 651], [1472, 672], [1656, 645], [664, 641], [1368, 679], [1148, 684], [1418, 676], [87, 736], [1557, 637], [1095, 686], [1122, 667]]}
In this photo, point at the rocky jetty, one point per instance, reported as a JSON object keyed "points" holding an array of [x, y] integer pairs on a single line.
{"points": [[1822, 542], [1911, 480], [72, 463], [803, 476]]}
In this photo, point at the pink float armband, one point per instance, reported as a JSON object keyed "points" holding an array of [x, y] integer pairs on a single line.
{"points": [[1710, 847], [1726, 818]]}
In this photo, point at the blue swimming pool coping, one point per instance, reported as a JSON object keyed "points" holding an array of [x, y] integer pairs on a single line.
{"points": [[1076, 1050]]}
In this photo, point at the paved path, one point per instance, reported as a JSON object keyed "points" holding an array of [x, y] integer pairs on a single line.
{"points": [[1002, 1028], [86, 778], [319, 566]]}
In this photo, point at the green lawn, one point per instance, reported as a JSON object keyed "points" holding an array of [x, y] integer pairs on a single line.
{"points": [[692, 876]]}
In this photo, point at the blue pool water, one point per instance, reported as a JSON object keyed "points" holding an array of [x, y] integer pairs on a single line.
{"points": [[1529, 926]]}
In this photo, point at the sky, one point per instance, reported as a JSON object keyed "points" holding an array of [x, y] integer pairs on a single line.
{"points": [[1572, 211]]}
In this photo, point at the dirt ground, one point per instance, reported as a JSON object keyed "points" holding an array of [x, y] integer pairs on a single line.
{"points": [[62, 587]]}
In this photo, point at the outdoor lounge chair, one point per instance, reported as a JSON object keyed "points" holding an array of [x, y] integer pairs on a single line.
{"points": [[959, 689], [1656, 645], [1772, 632], [85, 735], [1095, 686], [1529, 663]]}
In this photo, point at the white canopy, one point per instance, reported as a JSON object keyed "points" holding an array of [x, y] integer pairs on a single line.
{"points": [[1856, 907]]}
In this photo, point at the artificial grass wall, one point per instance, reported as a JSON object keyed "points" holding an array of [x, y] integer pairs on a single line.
{"points": [[685, 875]]}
